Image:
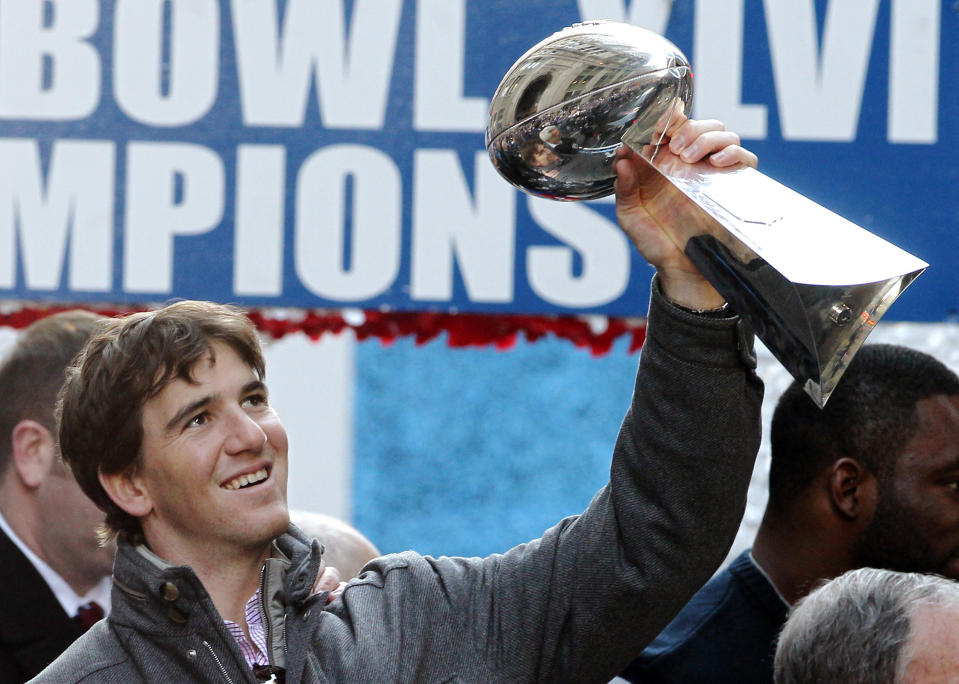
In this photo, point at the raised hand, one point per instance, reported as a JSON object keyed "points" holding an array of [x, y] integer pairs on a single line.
{"points": [[691, 140]]}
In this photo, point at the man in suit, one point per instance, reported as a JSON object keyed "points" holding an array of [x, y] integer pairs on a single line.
{"points": [[869, 481], [54, 574]]}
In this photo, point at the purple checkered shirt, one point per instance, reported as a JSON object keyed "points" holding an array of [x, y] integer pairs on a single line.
{"points": [[254, 648]]}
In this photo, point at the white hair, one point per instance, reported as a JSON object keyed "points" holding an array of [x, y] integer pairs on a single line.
{"points": [[855, 629]]}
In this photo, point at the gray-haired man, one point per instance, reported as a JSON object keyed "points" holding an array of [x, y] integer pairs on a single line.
{"points": [[872, 626]]}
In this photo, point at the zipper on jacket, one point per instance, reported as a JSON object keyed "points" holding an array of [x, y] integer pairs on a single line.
{"points": [[265, 616], [219, 664]]}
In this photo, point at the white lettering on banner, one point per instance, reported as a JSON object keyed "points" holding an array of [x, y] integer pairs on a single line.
{"points": [[650, 14], [914, 71], [320, 222], [191, 68], [72, 87], [57, 225], [438, 102], [718, 50], [156, 212], [603, 247], [820, 91], [352, 76], [480, 229], [258, 240], [75, 203]]}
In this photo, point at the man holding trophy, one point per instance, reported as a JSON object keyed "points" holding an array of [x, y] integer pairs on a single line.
{"points": [[167, 425], [197, 491]]}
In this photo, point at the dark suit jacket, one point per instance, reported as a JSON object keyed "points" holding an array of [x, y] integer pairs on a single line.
{"points": [[34, 629]]}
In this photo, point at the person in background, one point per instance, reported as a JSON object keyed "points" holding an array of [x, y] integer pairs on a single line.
{"points": [[345, 547], [54, 575], [873, 626], [871, 480]]}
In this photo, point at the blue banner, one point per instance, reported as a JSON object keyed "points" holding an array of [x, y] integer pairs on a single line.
{"points": [[330, 153]]}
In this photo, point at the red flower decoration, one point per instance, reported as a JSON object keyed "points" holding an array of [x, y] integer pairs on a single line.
{"points": [[501, 331]]}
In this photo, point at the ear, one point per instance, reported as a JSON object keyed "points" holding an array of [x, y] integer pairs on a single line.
{"points": [[852, 489], [128, 491], [34, 452]]}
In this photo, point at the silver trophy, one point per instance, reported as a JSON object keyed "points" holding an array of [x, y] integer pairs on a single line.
{"points": [[812, 284]]}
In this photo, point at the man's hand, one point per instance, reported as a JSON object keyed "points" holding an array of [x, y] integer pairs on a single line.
{"points": [[329, 580], [691, 140]]}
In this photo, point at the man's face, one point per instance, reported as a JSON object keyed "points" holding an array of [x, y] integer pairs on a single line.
{"points": [[932, 652], [213, 461], [916, 526]]}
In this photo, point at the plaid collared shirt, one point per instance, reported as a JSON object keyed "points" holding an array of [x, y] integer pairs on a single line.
{"points": [[254, 648]]}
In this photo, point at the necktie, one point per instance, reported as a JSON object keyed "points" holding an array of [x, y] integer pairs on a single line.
{"points": [[88, 614]]}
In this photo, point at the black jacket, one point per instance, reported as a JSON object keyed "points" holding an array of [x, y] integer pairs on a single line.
{"points": [[34, 629]]}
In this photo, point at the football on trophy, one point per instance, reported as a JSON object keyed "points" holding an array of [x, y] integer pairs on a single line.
{"points": [[564, 108]]}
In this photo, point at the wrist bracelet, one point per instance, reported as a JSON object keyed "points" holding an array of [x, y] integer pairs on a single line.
{"points": [[718, 312]]}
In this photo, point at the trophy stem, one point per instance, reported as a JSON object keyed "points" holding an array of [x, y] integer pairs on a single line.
{"points": [[811, 284]]}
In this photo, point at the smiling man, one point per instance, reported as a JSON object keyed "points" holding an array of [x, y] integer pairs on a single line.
{"points": [[167, 424]]}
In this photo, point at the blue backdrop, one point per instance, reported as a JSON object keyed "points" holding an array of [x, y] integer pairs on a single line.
{"points": [[330, 153]]}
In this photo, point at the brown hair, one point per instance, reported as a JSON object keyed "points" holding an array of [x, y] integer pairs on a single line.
{"points": [[33, 372], [130, 361]]}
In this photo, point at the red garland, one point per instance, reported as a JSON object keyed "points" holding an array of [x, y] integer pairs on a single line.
{"points": [[463, 329]]}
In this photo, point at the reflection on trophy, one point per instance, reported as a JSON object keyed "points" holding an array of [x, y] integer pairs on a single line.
{"points": [[812, 284]]}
